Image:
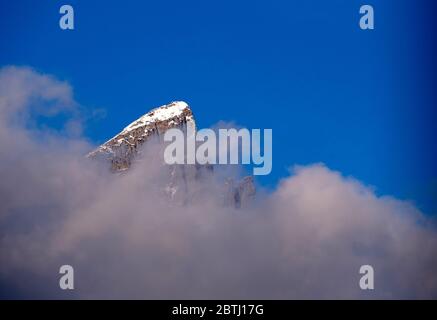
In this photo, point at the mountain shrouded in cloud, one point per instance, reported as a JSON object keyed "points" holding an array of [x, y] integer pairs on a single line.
{"points": [[305, 239], [126, 150]]}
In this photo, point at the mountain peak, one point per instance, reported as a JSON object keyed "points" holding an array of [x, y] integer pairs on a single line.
{"points": [[122, 147], [162, 113]]}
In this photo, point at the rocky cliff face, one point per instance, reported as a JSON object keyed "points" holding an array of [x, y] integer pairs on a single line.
{"points": [[121, 150]]}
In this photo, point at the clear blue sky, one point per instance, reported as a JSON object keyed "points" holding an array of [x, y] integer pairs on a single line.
{"points": [[362, 102]]}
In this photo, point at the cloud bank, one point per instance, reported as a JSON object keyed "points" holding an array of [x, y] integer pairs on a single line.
{"points": [[306, 239]]}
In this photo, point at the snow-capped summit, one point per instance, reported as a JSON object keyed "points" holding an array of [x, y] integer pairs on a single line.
{"points": [[121, 149], [166, 113]]}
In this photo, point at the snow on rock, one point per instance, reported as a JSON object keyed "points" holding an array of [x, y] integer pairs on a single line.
{"points": [[122, 148], [162, 113]]}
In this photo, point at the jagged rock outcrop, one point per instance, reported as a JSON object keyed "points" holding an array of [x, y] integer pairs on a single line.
{"points": [[121, 150]]}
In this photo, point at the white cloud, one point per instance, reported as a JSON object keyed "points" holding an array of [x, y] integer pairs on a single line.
{"points": [[306, 239]]}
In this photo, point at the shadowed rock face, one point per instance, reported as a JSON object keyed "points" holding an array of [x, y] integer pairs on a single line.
{"points": [[121, 150], [240, 192]]}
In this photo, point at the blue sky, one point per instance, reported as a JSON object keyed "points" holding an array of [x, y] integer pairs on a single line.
{"points": [[362, 102]]}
